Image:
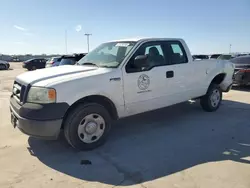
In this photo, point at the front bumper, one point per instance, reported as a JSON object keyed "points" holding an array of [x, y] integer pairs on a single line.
{"points": [[24, 65], [41, 121], [48, 65]]}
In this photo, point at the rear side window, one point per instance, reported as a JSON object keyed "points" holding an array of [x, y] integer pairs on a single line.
{"points": [[176, 49], [176, 52]]}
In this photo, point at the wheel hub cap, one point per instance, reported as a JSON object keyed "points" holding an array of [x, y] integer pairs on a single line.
{"points": [[91, 127], [215, 98]]}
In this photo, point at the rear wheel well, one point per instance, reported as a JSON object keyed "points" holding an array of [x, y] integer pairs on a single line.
{"points": [[104, 101], [218, 79]]}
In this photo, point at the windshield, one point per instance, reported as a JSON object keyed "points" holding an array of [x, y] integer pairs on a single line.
{"points": [[68, 61], [108, 54], [49, 60], [29, 60], [215, 56], [55, 59]]}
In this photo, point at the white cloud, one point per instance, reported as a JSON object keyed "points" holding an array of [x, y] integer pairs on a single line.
{"points": [[20, 28], [78, 28]]}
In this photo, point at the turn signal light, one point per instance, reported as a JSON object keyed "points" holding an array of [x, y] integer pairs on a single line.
{"points": [[52, 94]]}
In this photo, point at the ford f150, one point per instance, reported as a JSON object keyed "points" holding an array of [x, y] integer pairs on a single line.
{"points": [[117, 79]]}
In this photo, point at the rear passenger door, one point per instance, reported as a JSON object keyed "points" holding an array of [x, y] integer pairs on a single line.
{"points": [[43, 63], [180, 73], [36, 63]]}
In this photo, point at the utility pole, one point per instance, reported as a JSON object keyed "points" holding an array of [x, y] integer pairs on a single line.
{"points": [[230, 48], [66, 42], [88, 34]]}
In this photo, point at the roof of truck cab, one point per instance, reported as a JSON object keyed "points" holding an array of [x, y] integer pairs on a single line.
{"points": [[143, 39]]}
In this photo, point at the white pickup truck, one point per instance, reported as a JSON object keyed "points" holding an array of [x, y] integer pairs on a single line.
{"points": [[117, 79]]}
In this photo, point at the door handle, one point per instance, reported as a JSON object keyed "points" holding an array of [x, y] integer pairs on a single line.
{"points": [[169, 74]]}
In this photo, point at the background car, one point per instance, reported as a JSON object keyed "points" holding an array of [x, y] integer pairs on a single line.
{"points": [[226, 56], [54, 61], [238, 55], [4, 65], [214, 56], [71, 59], [196, 57], [242, 70], [34, 64]]}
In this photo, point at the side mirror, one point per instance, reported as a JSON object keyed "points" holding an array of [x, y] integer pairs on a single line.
{"points": [[140, 61]]}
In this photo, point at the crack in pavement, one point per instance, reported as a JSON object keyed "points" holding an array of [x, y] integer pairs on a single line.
{"points": [[135, 177]]}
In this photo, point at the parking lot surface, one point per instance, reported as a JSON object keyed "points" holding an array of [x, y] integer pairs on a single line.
{"points": [[177, 147]]}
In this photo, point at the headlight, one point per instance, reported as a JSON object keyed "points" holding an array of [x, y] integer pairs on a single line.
{"points": [[41, 95]]}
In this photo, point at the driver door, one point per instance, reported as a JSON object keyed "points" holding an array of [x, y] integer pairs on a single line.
{"points": [[144, 89]]}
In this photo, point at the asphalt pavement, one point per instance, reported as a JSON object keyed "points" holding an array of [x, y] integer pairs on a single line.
{"points": [[180, 146]]}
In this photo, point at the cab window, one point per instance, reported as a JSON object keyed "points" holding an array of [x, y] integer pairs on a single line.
{"points": [[177, 54]]}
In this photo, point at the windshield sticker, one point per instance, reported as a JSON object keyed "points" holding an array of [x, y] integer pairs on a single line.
{"points": [[122, 44]]}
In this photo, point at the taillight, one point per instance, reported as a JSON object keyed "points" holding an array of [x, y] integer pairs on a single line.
{"points": [[52, 62], [244, 70]]}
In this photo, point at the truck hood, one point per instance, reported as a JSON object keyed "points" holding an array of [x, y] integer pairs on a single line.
{"points": [[48, 73]]}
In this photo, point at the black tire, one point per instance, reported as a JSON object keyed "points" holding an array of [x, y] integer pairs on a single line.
{"points": [[3, 67], [74, 119], [206, 102]]}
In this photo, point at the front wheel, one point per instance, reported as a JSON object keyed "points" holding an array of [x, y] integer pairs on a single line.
{"points": [[212, 100], [87, 126]]}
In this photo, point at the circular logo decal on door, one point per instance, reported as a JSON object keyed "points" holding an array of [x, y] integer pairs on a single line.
{"points": [[143, 82]]}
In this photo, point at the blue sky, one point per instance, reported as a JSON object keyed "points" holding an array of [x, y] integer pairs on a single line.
{"points": [[38, 26]]}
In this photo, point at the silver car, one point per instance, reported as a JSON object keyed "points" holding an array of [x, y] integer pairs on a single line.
{"points": [[52, 62]]}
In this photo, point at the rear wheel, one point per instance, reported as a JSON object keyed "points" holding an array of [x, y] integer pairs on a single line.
{"points": [[87, 126], [212, 100]]}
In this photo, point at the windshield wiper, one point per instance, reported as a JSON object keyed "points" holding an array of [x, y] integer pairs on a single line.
{"points": [[89, 63]]}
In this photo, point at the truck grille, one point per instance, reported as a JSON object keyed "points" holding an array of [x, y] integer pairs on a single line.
{"points": [[18, 92]]}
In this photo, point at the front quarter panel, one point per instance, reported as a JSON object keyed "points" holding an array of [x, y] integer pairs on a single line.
{"points": [[74, 90]]}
